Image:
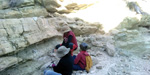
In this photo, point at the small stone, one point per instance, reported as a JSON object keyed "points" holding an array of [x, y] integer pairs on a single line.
{"points": [[99, 67]]}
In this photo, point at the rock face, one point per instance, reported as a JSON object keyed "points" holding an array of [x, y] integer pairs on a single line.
{"points": [[19, 35], [30, 29], [35, 8], [8, 61], [134, 36]]}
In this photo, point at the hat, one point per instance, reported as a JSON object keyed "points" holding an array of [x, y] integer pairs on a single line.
{"points": [[62, 51], [83, 46], [65, 29]]}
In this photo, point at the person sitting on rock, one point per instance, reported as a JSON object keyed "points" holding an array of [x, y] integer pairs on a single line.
{"points": [[80, 59], [62, 67], [69, 39]]}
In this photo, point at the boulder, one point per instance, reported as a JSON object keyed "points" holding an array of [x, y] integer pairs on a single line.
{"points": [[39, 30], [133, 41], [129, 23], [19, 42], [21, 3], [33, 11], [4, 4], [6, 46], [12, 13], [2, 16], [6, 62], [145, 20], [13, 26], [3, 33], [24, 3], [83, 30], [110, 49], [51, 5]]}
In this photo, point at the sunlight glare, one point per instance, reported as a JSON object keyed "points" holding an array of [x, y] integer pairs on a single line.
{"points": [[109, 13]]}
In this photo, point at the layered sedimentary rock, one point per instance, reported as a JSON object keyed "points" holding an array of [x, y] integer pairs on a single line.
{"points": [[30, 29]]}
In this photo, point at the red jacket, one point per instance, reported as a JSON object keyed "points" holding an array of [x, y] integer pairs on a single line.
{"points": [[80, 59], [74, 40]]}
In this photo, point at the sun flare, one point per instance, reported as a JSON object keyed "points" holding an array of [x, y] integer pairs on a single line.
{"points": [[109, 13]]}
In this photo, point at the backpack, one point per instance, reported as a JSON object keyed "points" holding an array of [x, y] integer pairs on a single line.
{"points": [[89, 63]]}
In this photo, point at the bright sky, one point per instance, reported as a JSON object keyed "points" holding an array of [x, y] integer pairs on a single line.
{"points": [[107, 12]]}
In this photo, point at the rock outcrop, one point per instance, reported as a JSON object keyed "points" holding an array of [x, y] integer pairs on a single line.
{"points": [[19, 35], [30, 29]]}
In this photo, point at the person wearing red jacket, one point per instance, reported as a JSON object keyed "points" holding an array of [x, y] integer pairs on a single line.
{"points": [[69, 39], [80, 60]]}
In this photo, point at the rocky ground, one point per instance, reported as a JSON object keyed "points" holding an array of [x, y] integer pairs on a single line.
{"points": [[30, 29]]}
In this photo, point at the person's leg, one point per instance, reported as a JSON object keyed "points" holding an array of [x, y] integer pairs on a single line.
{"points": [[77, 67], [74, 56], [49, 72], [72, 46]]}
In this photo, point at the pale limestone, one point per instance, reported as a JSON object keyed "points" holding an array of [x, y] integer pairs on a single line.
{"points": [[51, 5], [19, 42], [2, 12], [83, 30], [4, 4], [9, 13], [33, 11], [110, 48], [29, 25], [13, 26], [24, 3], [8, 61], [3, 33], [6, 47]]}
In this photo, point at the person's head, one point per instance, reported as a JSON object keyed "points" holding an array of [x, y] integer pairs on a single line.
{"points": [[62, 51], [65, 29], [83, 46]]}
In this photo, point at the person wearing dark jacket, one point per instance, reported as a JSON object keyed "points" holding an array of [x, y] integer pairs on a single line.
{"points": [[65, 65], [69, 39]]}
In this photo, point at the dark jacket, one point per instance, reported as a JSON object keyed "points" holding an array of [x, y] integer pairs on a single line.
{"points": [[65, 65]]}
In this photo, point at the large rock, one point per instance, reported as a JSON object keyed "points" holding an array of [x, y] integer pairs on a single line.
{"points": [[129, 23], [13, 26], [39, 30], [6, 46], [83, 30], [9, 13], [133, 41], [4, 4], [34, 57], [3, 32], [135, 23], [110, 49], [16, 34], [145, 21], [21, 3], [8, 61], [2, 16], [51, 5], [24, 3], [33, 11]]}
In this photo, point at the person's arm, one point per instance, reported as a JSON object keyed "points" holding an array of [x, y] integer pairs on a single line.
{"points": [[63, 43], [58, 67], [76, 60], [69, 41]]}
